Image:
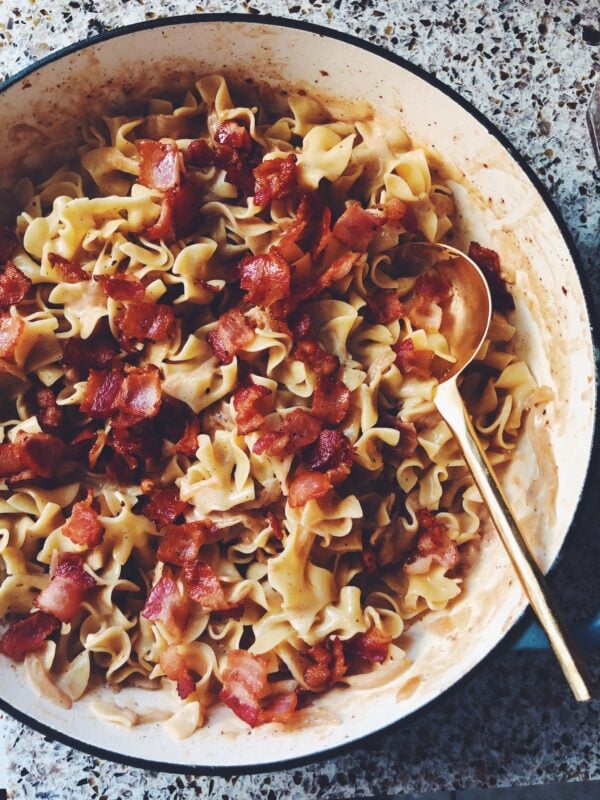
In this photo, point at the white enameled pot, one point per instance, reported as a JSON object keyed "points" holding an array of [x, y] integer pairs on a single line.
{"points": [[500, 205]]}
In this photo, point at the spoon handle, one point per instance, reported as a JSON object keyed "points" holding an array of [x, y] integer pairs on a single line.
{"points": [[450, 405]]}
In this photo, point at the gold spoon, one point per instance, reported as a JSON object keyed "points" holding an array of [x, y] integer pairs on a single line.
{"points": [[465, 323]]}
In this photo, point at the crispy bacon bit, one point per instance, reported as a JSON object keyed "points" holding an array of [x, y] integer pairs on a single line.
{"points": [[165, 604], [159, 164], [299, 324], [313, 354], [233, 135], [356, 228], [310, 231], [30, 455], [11, 329], [173, 665], [329, 663], [272, 443], [179, 425], [266, 277], [231, 335], [275, 525], [96, 352], [165, 507], [122, 287], [488, 262], [50, 414], [180, 543], [280, 708], [331, 400], [433, 544], [384, 306], [394, 209], [145, 322], [83, 526], [407, 444], [13, 286], [370, 646], [410, 221], [275, 179], [250, 407], [178, 214], [102, 393], [412, 362], [332, 454], [28, 635], [135, 443], [336, 271], [70, 272], [301, 428], [140, 396], [8, 244], [199, 154], [203, 586], [67, 588], [308, 486]]}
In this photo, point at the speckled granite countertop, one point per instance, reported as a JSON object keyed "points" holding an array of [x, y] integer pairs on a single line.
{"points": [[531, 69]]}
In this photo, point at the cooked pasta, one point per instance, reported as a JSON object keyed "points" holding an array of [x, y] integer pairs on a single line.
{"points": [[221, 463]]}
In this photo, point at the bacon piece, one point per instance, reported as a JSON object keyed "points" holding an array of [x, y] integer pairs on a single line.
{"points": [[179, 214], [385, 306], [164, 507], [275, 179], [412, 362], [272, 443], [122, 286], [83, 526], [357, 227], [332, 454], [70, 272], [433, 544], [432, 288], [50, 414], [394, 209], [11, 329], [199, 154], [67, 588], [232, 334], [180, 543], [313, 354], [275, 525], [370, 646], [299, 324], [140, 396], [329, 666], [336, 271], [310, 230], [135, 443], [488, 262], [144, 322], [179, 425], [173, 665], [96, 439], [28, 635], [234, 135], [96, 352], [13, 286], [307, 486], [301, 428], [407, 444], [250, 407], [30, 455], [8, 244], [280, 708], [331, 400], [165, 604], [159, 164], [266, 277], [103, 393], [203, 585]]}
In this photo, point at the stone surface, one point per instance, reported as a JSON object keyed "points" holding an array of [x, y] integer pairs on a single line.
{"points": [[531, 69]]}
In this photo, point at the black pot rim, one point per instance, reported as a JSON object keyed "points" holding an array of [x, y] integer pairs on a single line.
{"points": [[518, 627]]}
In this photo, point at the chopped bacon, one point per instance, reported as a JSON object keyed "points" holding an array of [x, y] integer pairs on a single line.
{"points": [[275, 525], [179, 214], [331, 400], [102, 393], [28, 635], [357, 227], [313, 354], [332, 454], [310, 231], [299, 324], [275, 179], [488, 262], [433, 544], [407, 443], [164, 507], [50, 413], [250, 407], [11, 329], [412, 362], [96, 439], [13, 286], [70, 272], [8, 244], [272, 443], [122, 287], [96, 352], [430, 287], [329, 663], [140, 396], [180, 543], [165, 604], [370, 646], [336, 271], [203, 585], [232, 334], [279, 709], [30, 455], [83, 526], [306, 486], [173, 665], [144, 322], [159, 164], [385, 306], [266, 277], [301, 428], [179, 425], [233, 135], [135, 442], [67, 588], [199, 154], [394, 209]]}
